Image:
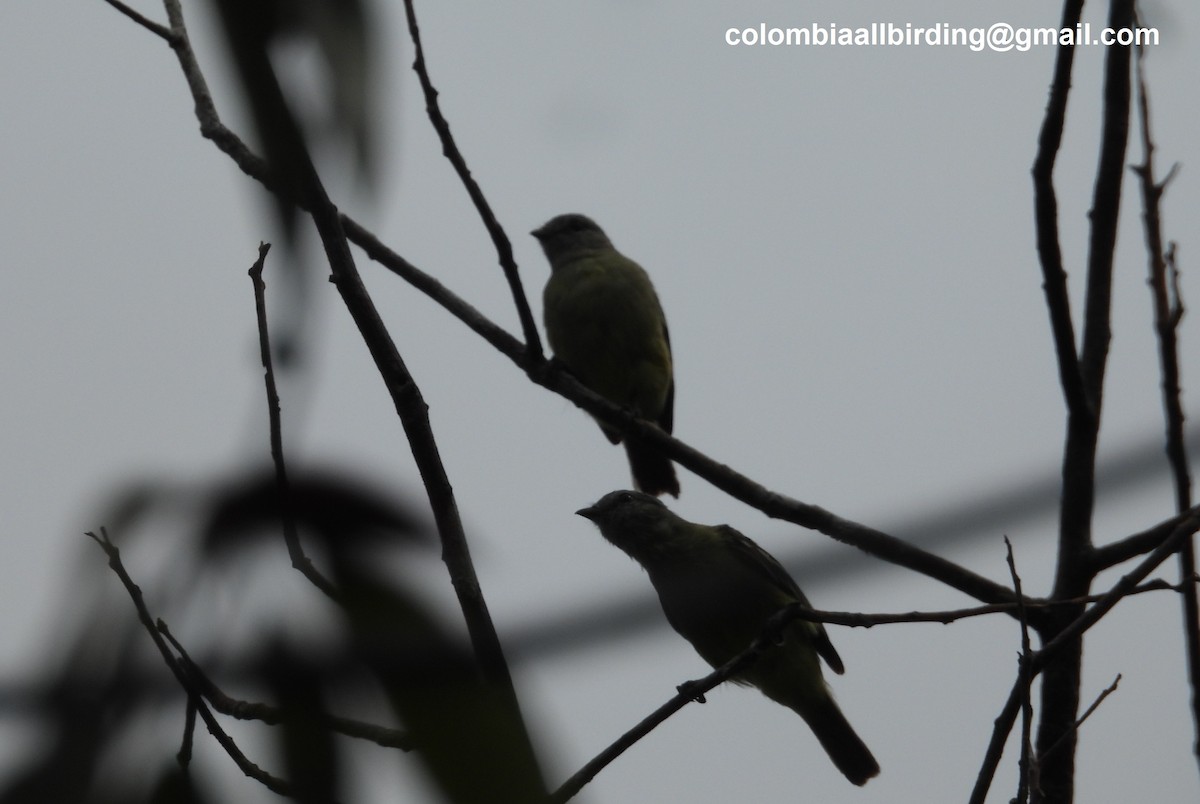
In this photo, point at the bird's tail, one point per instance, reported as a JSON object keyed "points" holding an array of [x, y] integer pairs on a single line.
{"points": [[653, 472], [837, 737]]}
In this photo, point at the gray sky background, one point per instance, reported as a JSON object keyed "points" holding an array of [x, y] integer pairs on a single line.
{"points": [[842, 240]]}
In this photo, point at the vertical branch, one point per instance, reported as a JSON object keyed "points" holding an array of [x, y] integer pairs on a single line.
{"points": [[1027, 764], [1083, 383], [1054, 278], [282, 487], [1083, 428], [1168, 310], [1106, 206], [1054, 284]]}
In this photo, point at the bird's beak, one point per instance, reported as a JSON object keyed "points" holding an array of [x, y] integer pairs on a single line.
{"points": [[537, 233], [587, 513]]}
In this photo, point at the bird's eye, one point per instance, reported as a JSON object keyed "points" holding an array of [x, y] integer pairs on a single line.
{"points": [[625, 497]]}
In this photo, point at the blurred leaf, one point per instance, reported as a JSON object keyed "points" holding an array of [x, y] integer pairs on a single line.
{"points": [[338, 28], [473, 743], [250, 25], [309, 749], [342, 512], [175, 787], [80, 730]]}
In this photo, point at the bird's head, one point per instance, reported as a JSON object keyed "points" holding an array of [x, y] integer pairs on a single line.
{"points": [[567, 236], [637, 523]]}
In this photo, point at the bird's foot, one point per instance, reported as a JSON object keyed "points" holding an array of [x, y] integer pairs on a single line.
{"points": [[686, 689]]}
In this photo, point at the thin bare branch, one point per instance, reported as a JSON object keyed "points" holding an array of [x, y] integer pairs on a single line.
{"points": [[1001, 728], [1138, 544], [476, 321], [1168, 311], [852, 619], [1107, 691], [533, 342], [1054, 277], [687, 692], [1106, 207], [273, 715], [1027, 769], [271, 782], [283, 489], [150, 25], [184, 755]]}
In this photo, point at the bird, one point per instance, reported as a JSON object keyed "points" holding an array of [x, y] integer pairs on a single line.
{"points": [[718, 589], [606, 325]]}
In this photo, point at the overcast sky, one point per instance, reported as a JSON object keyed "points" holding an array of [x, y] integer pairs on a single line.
{"points": [[842, 241]]}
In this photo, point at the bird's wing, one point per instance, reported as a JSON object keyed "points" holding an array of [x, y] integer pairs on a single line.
{"points": [[762, 563], [666, 419]]}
